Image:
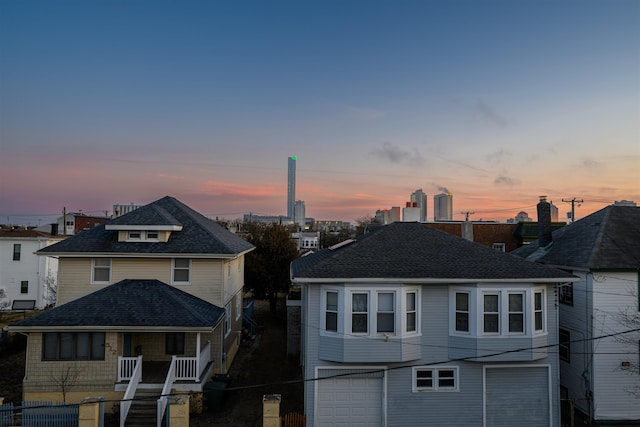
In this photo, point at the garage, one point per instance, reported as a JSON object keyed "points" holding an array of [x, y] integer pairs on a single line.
{"points": [[510, 402], [349, 398]]}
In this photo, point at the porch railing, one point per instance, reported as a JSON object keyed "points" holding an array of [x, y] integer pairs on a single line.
{"points": [[136, 376], [190, 368], [126, 366], [166, 390]]}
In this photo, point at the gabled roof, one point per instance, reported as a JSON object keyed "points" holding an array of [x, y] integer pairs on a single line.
{"points": [[199, 235], [606, 239], [129, 304], [405, 250]]}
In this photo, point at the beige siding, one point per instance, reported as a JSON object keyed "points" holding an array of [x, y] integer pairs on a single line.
{"points": [[90, 375], [74, 276]]}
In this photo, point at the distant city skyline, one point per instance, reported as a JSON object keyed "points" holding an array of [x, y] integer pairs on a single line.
{"points": [[497, 102]]}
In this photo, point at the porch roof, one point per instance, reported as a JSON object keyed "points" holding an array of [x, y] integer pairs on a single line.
{"points": [[129, 304]]}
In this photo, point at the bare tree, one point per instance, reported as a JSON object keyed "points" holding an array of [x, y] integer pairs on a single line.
{"points": [[4, 305], [50, 288], [65, 379]]}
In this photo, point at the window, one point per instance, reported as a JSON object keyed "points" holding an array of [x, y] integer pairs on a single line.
{"points": [[227, 319], [24, 287], [73, 346], [516, 313], [564, 345], [390, 311], [135, 235], [462, 311], [487, 311], [17, 247], [238, 305], [331, 313], [174, 343], [181, 270], [360, 313], [500, 247], [538, 310], [435, 379], [153, 235], [411, 311], [491, 313], [101, 270], [386, 313], [566, 294]]}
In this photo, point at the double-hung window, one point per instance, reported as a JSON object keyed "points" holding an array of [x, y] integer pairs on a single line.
{"points": [[181, 270], [331, 312], [174, 343], [538, 311], [516, 313], [411, 312], [227, 319], [491, 318], [386, 313], [24, 286], [462, 311], [360, 313], [435, 379], [17, 247], [101, 270]]}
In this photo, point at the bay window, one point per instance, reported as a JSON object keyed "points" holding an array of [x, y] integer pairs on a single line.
{"points": [[375, 313], [490, 311]]}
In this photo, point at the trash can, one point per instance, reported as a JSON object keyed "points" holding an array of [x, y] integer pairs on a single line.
{"points": [[215, 392]]}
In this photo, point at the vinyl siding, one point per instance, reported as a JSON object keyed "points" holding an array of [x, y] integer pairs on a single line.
{"points": [[74, 276], [612, 293], [432, 408]]}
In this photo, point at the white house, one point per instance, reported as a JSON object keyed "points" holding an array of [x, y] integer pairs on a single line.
{"points": [[23, 275], [599, 350]]}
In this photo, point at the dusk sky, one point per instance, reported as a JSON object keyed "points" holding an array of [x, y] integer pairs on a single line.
{"points": [[498, 102]]}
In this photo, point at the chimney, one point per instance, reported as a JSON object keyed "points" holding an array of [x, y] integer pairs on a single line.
{"points": [[544, 223], [408, 204]]}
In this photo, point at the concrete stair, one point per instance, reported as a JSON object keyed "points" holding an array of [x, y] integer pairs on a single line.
{"points": [[143, 408]]}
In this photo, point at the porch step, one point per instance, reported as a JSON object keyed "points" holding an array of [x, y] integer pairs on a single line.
{"points": [[143, 408]]}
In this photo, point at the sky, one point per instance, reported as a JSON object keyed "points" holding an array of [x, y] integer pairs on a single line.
{"points": [[497, 102]]}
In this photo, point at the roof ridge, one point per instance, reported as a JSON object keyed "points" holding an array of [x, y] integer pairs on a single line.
{"points": [[595, 250]]}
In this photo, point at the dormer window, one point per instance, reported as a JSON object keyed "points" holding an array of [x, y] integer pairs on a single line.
{"points": [[143, 236]]}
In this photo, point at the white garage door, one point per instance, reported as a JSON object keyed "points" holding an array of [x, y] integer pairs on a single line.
{"points": [[349, 401], [517, 396]]}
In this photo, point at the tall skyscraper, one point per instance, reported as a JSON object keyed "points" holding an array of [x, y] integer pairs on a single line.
{"points": [[291, 187], [443, 207], [420, 198]]}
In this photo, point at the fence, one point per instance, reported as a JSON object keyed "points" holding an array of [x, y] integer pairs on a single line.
{"points": [[40, 414], [293, 419]]}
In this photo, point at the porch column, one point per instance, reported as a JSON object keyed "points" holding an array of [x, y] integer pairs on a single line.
{"points": [[198, 357]]}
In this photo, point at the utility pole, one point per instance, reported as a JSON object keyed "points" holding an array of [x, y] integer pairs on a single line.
{"points": [[466, 215], [573, 202]]}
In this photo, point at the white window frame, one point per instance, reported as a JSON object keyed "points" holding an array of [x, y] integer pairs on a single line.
{"points": [[345, 312], [467, 312], [406, 312], [227, 319], [520, 313], [436, 378], [325, 310], [143, 236], [500, 247], [476, 310], [135, 236], [392, 312], [238, 304], [174, 268], [105, 267], [491, 313]]}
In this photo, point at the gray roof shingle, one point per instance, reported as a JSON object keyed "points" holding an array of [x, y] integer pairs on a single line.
{"points": [[130, 303], [404, 250], [606, 239], [199, 234]]}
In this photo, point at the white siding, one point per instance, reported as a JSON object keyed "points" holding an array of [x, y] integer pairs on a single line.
{"points": [[613, 293]]}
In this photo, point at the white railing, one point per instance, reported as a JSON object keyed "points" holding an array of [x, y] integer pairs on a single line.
{"points": [[166, 390], [190, 368], [136, 376], [126, 365]]}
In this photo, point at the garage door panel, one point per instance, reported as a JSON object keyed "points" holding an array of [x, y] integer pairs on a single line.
{"points": [[349, 402]]}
